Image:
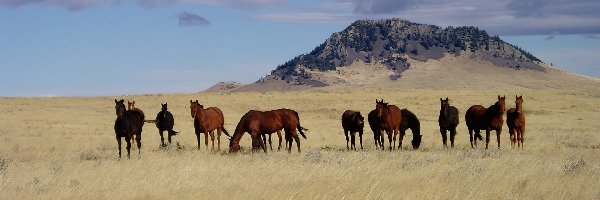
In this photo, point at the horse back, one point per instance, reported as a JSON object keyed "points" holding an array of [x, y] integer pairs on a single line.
{"points": [[164, 120], [474, 117], [351, 121]]}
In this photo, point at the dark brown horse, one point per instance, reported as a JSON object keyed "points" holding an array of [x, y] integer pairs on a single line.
{"points": [[352, 122], [515, 119], [258, 123], [480, 118], [410, 121], [374, 124], [165, 122], [448, 121], [390, 118], [127, 124], [207, 121]]}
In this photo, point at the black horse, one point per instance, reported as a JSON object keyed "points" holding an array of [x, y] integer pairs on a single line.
{"points": [[128, 124], [164, 122], [448, 121], [374, 124], [410, 121]]}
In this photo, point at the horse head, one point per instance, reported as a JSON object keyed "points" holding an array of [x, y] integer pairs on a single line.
{"points": [[416, 142], [359, 119], [501, 104], [163, 107], [380, 107], [119, 107], [130, 105], [519, 102], [444, 106]]}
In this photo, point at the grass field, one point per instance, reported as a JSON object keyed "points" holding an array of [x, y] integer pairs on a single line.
{"points": [[61, 148]]}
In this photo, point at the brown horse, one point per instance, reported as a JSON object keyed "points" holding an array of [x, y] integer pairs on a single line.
{"points": [[352, 122], [127, 124], [206, 121], [480, 118], [389, 120], [515, 119], [131, 106], [448, 121], [258, 123]]}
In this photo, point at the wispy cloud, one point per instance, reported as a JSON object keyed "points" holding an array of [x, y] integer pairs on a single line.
{"points": [[190, 20]]}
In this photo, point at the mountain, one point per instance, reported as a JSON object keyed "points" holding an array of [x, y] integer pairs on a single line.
{"points": [[400, 53]]}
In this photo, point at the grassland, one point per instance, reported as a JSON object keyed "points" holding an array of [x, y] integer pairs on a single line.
{"points": [[57, 148]]}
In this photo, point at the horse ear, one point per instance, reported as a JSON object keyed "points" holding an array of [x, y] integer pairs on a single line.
{"points": [[121, 101], [133, 102], [498, 97], [116, 101], [504, 97], [191, 101], [446, 98], [441, 99]]}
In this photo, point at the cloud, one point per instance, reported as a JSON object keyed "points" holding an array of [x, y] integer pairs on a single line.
{"points": [[73, 5], [189, 20]]}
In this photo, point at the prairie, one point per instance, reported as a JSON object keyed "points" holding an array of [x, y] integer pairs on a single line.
{"points": [[65, 148]]}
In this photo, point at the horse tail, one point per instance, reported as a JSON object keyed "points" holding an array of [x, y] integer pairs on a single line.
{"points": [[300, 128], [172, 132], [478, 136], [149, 121], [225, 131]]}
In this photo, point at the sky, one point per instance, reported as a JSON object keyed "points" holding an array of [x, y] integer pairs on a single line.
{"points": [[126, 47]]}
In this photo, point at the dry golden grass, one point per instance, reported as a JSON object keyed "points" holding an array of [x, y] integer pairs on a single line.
{"points": [[65, 148]]}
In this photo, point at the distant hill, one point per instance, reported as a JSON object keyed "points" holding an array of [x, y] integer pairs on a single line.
{"points": [[394, 52], [224, 87]]}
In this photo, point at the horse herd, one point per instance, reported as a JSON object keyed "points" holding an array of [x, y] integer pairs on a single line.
{"points": [[385, 118]]}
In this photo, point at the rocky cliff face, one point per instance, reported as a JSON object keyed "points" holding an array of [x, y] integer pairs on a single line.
{"points": [[394, 42]]}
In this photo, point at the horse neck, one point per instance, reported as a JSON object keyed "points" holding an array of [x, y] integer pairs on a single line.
{"points": [[238, 133], [519, 107], [200, 114], [494, 111]]}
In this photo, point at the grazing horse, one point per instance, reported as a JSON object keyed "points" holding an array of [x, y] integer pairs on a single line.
{"points": [[390, 119], [131, 106], [515, 119], [353, 121], [164, 122], [206, 121], [127, 124], [448, 121], [258, 123], [480, 118], [374, 124], [410, 121]]}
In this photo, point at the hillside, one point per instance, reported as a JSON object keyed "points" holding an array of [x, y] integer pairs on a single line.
{"points": [[400, 53]]}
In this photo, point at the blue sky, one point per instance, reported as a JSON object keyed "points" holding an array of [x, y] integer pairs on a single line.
{"points": [[120, 47]]}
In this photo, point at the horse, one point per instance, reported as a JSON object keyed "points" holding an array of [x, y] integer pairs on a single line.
{"points": [[164, 122], [127, 124], [352, 122], [515, 119], [131, 106], [390, 118], [410, 121], [258, 123], [374, 124], [206, 121], [448, 121], [480, 118]]}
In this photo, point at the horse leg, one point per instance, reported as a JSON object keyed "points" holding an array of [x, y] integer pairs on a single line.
{"points": [[347, 140], [198, 138], [360, 133], [270, 143], [162, 138], [263, 146], [395, 133], [471, 137], [295, 135], [128, 147], [381, 140], [169, 137], [402, 133], [452, 134], [212, 140], [444, 137], [119, 143], [389, 134], [279, 136], [138, 139], [487, 137], [475, 136], [513, 137], [376, 139], [206, 139], [521, 137], [498, 131], [353, 144]]}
